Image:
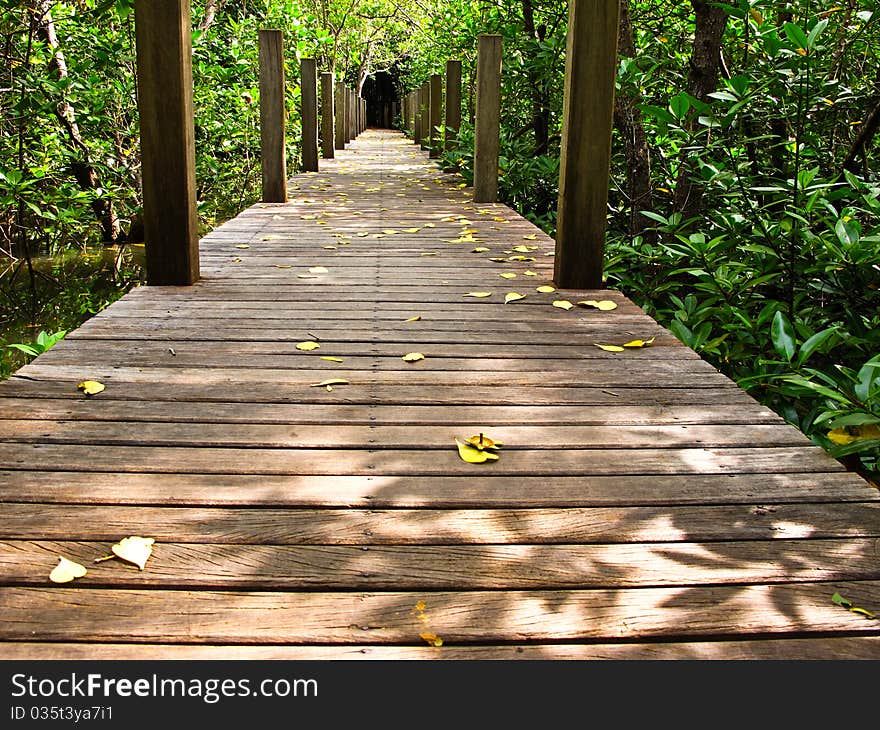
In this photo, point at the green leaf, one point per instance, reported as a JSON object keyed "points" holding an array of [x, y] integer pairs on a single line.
{"points": [[782, 334], [796, 35], [848, 231], [814, 343]]}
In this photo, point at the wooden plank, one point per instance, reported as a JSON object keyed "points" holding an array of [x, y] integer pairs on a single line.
{"points": [[273, 116], [165, 89], [309, 113], [530, 526], [112, 615], [451, 567], [486, 133], [427, 462]]}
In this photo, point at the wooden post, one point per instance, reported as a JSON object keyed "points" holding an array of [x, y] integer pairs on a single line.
{"points": [[339, 109], [436, 114], [453, 103], [309, 97], [486, 134], [165, 102], [417, 115], [328, 121], [273, 116], [586, 143], [426, 115]]}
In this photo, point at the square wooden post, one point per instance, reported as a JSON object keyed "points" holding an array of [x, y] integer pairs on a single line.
{"points": [[273, 116], [487, 132], [436, 114], [453, 103], [309, 112], [339, 109], [165, 103], [586, 143], [328, 120], [425, 112]]}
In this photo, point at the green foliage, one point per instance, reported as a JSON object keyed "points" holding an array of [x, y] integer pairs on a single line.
{"points": [[43, 342]]}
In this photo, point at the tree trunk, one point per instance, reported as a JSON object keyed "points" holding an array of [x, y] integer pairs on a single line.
{"points": [[629, 123], [540, 98], [82, 168], [705, 64]]}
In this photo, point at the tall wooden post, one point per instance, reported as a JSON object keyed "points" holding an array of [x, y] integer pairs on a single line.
{"points": [[273, 116], [328, 120], [453, 103], [487, 132], [417, 115], [586, 143], [426, 115], [309, 112], [436, 114], [339, 109], [352, 132], [165, 102]]}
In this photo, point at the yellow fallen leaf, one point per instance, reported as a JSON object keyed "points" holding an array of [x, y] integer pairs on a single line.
{"points": [[390, 232], [91, 387], [319, 270], [328, 384], [414, 319], [420, 607], [640, 343], [605, 305], [411, 230], [546, 289], [432, 639], [469, 231], [499, 219], [473, 455], [611, 348], [66, 571], [508, 275], [479, 294], [333, 359], [363, 234], [282, 266], [413, 357], [563, 304], [513, 297], [135, 550], [481, 249], [482, 442], [522, 249], [530, 273], [844, 436], [242, 245], [306, 276], [308, 346], [531, 237]]}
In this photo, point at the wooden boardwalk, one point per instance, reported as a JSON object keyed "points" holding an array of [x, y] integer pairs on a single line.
{"points": [[642, 507]]}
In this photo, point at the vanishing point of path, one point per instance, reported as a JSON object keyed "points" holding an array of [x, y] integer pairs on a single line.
{"points": [[642, 506]]}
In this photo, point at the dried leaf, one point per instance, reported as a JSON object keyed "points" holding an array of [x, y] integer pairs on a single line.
{"points": [[479, 294], [319, 270], [481, 249], [413, 357], [513, 297], [242, 246], [91, 387], [411, 230], [640, 343], [563, 304], [531, 237], [432, 639], [546, 289], [333, 359], [508, 275], [522, 249], [482, 442], [473, 455], [308, 346], [611, 348], [604, 305], [329, 383], [66, 571], [135, 550], [414, 319]]}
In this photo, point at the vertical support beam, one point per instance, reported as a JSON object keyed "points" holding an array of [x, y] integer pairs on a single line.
{"points": [[487, 133], [339, 109], [328, 120], [165, 102], [309, 112], [426, 115], [417, 115], [436, 114], [586, 143], [453, 103], [273, 116]]}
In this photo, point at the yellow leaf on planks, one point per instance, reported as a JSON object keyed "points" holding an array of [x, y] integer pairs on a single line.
{"points": [[531, 237], [507, 275], [411, 230], [413, 357], [242, 246], [522, 249], [479, 294], [481, 249], [563, 304], [513, 297], [546, 289], [499, 219], [432, 639], [473, 455], [332, 359], [66, 571], [308, 346], [390, 232], [319, 270], [603, 306], [482, 442], [91, 387], [135, 550], [611, 348], [417, 318], [329, 384], [363, 234], [530, 273], [640, 343]]}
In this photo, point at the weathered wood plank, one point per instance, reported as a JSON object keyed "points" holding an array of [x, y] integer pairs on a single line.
{"points": [[62, 614]]}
